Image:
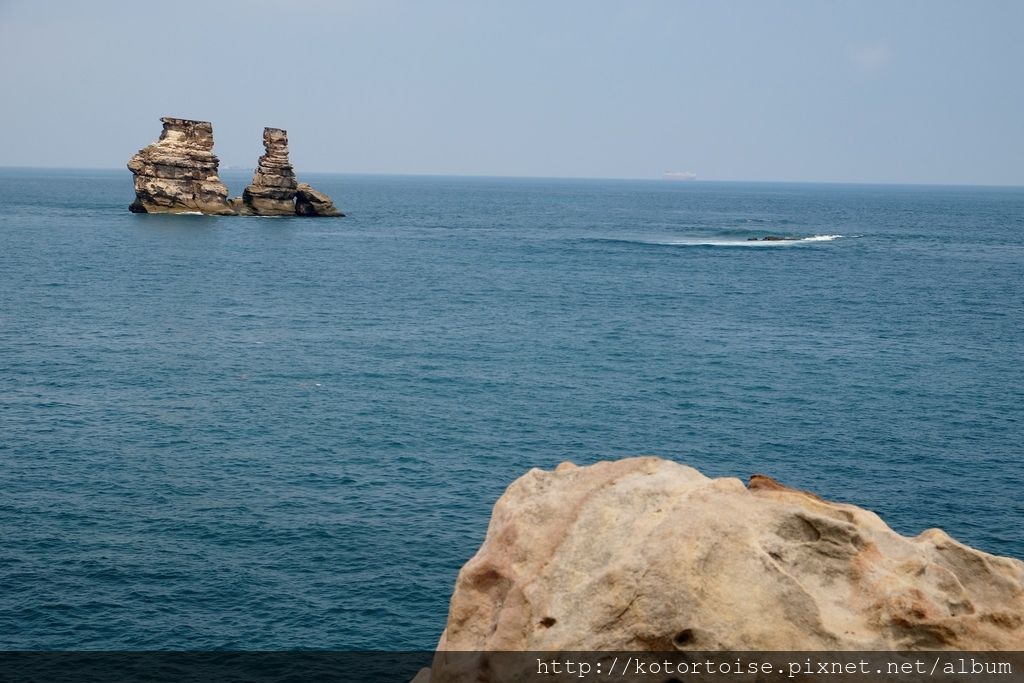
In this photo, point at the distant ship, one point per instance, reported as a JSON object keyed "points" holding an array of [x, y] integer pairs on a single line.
{"points": [[679, 175]]}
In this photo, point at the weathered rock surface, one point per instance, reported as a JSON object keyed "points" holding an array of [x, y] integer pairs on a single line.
{"points": [[310, 202], [178, 172], [650, 555], [272, 190]]}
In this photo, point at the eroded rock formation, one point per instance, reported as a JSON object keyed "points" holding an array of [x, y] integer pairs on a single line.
{"points": [[310, 202], [178, 174], [272, 190], [650, 555]]}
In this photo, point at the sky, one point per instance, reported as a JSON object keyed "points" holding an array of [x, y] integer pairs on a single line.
{"points": [[889, 91]]}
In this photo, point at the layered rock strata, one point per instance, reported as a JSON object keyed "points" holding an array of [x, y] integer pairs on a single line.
{"points": [[272, 190], [178, 172], [645, 554]]}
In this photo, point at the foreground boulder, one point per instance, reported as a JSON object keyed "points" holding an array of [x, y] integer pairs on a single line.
{"points": [[178, 174], [644, 554]]}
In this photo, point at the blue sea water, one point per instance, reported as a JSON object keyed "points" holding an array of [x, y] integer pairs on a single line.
{"points": [[288, 433]]}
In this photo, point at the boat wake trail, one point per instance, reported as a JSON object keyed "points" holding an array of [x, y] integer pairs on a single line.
{"points": [[724, 242]]}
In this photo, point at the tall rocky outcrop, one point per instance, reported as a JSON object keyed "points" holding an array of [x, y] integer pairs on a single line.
{"points": [[272, 190], [178, 172], [645, 554]]}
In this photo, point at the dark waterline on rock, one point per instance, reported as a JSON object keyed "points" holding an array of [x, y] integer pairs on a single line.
{"points": [[245, 433]]}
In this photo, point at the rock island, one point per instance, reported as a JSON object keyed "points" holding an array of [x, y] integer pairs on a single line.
{"points": [[179, 174]]}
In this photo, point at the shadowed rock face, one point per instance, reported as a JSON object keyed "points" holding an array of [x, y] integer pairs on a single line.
{"points": [[309, 202], [650, 555], [178, 172]]}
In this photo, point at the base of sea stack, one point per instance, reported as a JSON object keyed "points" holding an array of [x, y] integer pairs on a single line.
{"points": [[645, 555], [178, 208]]}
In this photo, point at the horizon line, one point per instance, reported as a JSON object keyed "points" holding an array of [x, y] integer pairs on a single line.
{"points": [[659, 178]]}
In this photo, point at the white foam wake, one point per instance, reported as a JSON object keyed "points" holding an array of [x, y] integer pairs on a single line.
{"points": [[719, 242], [820, 238]]}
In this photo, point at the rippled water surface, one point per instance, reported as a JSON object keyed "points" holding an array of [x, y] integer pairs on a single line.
{"points": [[288, 433]]}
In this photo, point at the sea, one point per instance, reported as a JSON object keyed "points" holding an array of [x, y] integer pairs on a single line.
{"points": [[284, 433]]}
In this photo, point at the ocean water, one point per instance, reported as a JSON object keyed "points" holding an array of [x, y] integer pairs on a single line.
{"points": [[289, 433]]}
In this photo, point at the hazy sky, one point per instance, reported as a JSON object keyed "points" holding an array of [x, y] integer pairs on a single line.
{"points": [[889, 91]]}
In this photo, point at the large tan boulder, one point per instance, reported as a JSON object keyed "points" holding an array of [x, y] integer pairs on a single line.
{"points": [[650, 555]]}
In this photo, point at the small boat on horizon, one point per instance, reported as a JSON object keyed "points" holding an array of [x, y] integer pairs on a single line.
{"points": [[679, 175]]}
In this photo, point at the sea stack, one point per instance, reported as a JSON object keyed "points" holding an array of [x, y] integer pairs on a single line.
{"points": [[275, 191], [178, 172], [272, 190], [645, 554]]}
